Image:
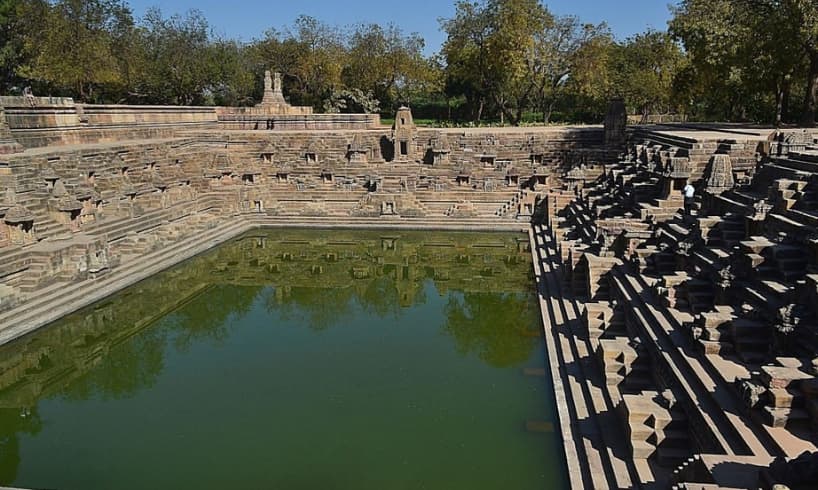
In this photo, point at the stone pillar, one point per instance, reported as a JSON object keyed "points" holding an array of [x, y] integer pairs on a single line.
{"points": [[615, 122], [273, 91]]}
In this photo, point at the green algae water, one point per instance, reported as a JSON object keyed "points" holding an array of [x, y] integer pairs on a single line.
{"points": [[295, 360]]}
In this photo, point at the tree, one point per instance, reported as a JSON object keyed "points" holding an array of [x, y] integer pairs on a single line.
{"points": [[310, 55], [516, 24], [748, 52], [567, 55], [73, 49], [466, 51], [488, 49], [180, 66], [320, 56], [13, 26], [386, 63], [234, 77], [801, 18], [644, 69]]}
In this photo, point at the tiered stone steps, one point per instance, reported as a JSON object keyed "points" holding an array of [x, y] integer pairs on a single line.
{"points": [[58, 300], [585, 434], [715, 407]]}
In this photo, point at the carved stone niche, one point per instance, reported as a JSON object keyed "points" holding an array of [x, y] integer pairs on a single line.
{"points": [[5, 239], [537, 156], [678, 168], [388, 208], [488, 160], [326, 176], [576, 178], [267, 156], [20, 225], [512, 177], [439, 150], [67, 207], [373, 183], [251, 175], [50, 176], [357, 151], [7, 142], [311, 154]]}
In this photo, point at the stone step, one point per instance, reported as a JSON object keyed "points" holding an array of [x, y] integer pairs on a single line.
{"points": [[35, 304], [782, 417], [671, 457]]}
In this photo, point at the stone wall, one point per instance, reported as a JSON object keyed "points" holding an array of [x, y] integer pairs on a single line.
{"points": [[232, 118], [660, 145], [71, 212], [49, 121]]}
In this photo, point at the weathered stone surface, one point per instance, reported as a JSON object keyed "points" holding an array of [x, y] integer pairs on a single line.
{"points": [[7, 142], [615, 121], [721, 174]]}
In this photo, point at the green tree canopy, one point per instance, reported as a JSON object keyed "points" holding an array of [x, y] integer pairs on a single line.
{"points": [[72, 44], [745, 56]]}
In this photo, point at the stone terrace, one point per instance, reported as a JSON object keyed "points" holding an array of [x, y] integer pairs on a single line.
{"points": [[80, 220]]}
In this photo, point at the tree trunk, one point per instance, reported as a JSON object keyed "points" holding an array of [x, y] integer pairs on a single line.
{"points": [[480, 109], [547, 111], [506, 113], [811, 100], [785, 98]]}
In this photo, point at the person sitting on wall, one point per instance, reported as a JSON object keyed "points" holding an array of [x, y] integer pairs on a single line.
{"points": [[689, 192], [29, 96]]}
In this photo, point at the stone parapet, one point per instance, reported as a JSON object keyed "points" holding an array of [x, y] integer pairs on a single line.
{"points": [[40, 112], [251, 118], [137, 115]]}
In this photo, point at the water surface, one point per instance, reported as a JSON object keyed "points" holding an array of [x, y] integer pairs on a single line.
{"points": [[297, 360]]}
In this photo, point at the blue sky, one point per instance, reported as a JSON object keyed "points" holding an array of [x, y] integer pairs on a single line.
{"points": [[246, 19]]}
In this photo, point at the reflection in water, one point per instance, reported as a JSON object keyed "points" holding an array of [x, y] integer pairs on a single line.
{"points": [[14, 423], [498, 327], [122, 347]]}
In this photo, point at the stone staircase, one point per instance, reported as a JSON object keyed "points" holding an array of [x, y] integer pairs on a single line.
{"points": [[655, 431], [512, 205]]}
